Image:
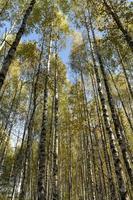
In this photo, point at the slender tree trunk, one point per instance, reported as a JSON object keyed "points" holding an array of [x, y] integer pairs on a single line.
{"points": [[115, 17], [15, 105], [50, 154], [117, 162], [125, 73], [42, 145], [6, 121], [119, 95], [70, 163], [20, 156], [105, 148], [30, 129], [8, 59], [101, 178], [93, 177], [12, 104], [55, 152], [13, 165], [118, 128]]}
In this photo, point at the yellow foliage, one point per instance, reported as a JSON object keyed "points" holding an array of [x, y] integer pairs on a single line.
{"points": [[61, 22], [15, 69], [28, 51]]}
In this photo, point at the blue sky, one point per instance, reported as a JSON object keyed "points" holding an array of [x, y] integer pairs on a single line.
{"points": [[64, 52]]}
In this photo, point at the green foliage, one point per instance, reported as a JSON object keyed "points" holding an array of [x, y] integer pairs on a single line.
{"points": [[75, 130]]}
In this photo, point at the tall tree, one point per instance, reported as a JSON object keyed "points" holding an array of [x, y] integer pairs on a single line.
{"points": [[8, 59]]}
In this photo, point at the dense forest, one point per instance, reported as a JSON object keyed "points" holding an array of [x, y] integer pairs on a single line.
{"points": [[66, 100]]}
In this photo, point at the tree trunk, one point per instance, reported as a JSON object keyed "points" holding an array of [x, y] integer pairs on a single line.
{"points": [[42, 145], [15, 106], [93, 181], [112, 189], [125, 74], [20, 156], [115, 17], [30, 129], [119, 95], [118, 128], [8, 59], [117, 162], [55, 142]]}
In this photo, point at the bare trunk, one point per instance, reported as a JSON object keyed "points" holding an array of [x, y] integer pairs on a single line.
{"points": [[118, 128], [55, 142], [42, 145], [117, 162]]}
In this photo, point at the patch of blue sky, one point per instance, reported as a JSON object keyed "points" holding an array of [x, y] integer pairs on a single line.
{"points": [[64, 53]]}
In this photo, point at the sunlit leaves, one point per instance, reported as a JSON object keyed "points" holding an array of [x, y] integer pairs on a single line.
{"points": [[28, 51]]}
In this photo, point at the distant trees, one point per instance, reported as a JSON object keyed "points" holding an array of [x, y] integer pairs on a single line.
{"points": [[66, 131]]}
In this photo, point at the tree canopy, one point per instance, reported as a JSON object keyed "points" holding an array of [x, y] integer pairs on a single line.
{"points": [[66, 100]]}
